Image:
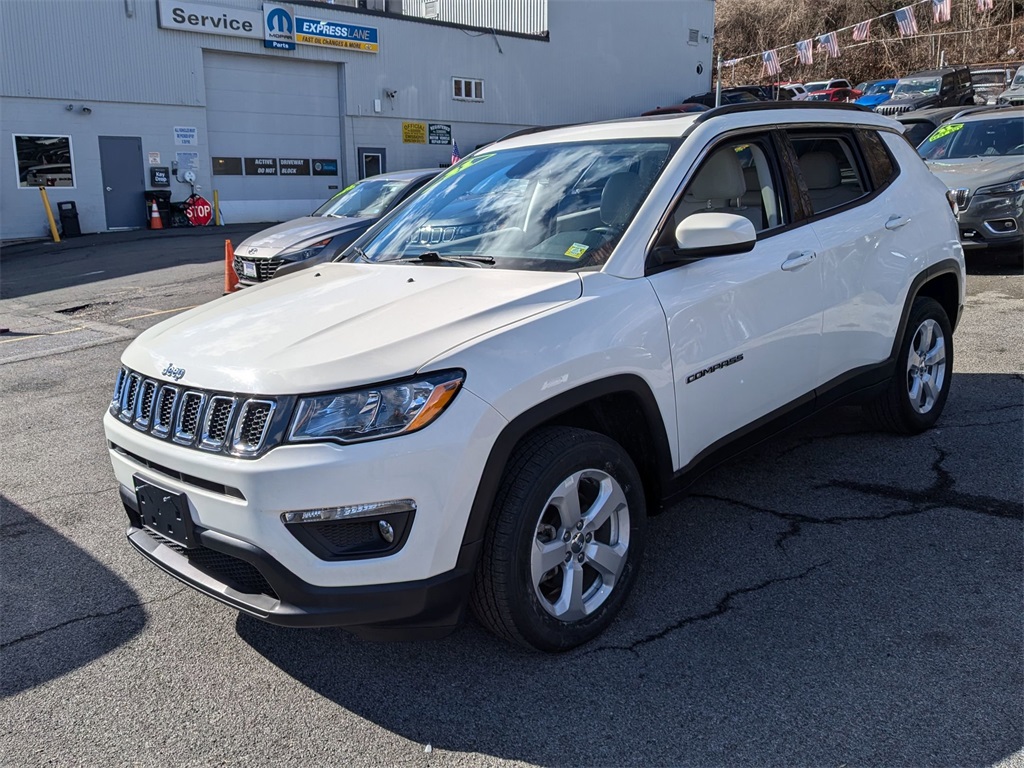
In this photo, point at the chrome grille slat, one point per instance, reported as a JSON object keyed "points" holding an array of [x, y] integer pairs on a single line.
{"points": [[191, 410], [131, 391], [215, 425], [252, 425], [122, 376], [164, 411], [144, 406]]}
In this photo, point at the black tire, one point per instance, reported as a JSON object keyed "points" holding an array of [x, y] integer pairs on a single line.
{"points": [[894, 410], [505, 597]]}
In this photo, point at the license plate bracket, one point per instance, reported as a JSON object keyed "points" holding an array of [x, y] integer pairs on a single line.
{"points": [[166, 513]]}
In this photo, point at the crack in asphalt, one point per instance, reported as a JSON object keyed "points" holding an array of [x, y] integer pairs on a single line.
{"points": [[65, 496], [804, 442], [122, 609], [940, 494], [723, 606]]}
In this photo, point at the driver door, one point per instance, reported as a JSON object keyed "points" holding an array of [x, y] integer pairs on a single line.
{"points": [[745, 328]]}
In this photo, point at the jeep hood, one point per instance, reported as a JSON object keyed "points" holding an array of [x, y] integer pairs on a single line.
{"points": [[974, 172], [342, 325], [270, 242]]}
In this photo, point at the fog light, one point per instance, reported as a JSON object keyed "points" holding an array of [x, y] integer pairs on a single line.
{"points": [[386, 531], [370, 509]]}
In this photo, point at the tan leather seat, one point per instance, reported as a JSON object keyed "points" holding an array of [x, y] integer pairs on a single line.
{"points": [[824, 182], [719, 187]]}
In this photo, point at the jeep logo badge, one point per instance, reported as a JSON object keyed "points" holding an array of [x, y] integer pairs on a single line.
{"points": [[172, 372]]}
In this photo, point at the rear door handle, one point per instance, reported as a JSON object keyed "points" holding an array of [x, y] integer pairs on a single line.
{"points": [[797, 260], [895, 222]]}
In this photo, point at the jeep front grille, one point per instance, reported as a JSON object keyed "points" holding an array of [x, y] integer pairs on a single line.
{"points": [[239, 425], [893, 109]]}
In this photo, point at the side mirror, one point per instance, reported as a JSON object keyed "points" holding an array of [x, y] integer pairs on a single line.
{"points": [[714, 234]]}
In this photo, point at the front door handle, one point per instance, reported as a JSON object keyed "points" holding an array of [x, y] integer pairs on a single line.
{"points": [[797, 260], [895, 222]]}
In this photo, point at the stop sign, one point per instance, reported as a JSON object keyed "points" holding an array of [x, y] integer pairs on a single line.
{"points": [[199, 211]]}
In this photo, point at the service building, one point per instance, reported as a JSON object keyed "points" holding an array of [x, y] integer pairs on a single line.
{"points": [[278, 105]]}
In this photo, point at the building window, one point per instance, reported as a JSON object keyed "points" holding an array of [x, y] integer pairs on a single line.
{"points": [[44, 161], [467, 89]]}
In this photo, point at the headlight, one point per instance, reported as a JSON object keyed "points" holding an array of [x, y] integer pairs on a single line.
{"points": [[1010, 188], [305, 251], [390, 409]]}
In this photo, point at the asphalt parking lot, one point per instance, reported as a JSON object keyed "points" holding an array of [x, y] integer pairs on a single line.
{"points": [[835, 596]]}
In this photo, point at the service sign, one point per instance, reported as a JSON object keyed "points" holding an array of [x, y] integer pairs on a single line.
{"points": [[209, 19], [439, 133], [414, 133], [334, 34]]}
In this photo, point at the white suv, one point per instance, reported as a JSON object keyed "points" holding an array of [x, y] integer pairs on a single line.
{"points": [[486, 417]]}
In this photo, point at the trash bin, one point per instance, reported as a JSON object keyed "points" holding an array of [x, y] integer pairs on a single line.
{"points": [[68, 212], [163, 204]]}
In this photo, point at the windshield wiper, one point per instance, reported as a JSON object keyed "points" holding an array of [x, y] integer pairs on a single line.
{"points": [[433, 257]]}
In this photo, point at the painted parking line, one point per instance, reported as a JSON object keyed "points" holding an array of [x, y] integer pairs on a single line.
{"points": [[42, 335], [154, 314]]}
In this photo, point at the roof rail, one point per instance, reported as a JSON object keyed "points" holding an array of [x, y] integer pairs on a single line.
{"points": [[763, 106], [976, 109]]}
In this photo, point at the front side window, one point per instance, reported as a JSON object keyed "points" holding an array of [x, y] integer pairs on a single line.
{"points": [[44, 161], [553, 207], [829, 169], [983, 138], [737, 177]]}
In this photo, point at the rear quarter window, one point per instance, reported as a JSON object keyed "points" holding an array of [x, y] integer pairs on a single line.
{"points": [[882, 168]]}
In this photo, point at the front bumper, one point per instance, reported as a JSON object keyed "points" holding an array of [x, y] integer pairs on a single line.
{"points": [[991, 221], [247, 578]]}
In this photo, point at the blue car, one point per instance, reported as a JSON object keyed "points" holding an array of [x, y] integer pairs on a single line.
{"points": [[876, 92]]}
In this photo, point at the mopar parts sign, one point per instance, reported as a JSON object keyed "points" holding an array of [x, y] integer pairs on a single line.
{"points": [[278, 26]]}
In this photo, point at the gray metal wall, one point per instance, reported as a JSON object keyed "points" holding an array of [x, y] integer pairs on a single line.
{"points": [[604, 59]]}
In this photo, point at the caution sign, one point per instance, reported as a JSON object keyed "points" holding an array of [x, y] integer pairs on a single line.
{"points": [[414, 133]]}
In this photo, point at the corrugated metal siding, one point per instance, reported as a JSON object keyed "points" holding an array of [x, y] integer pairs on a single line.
{"points": [[526, 16]]}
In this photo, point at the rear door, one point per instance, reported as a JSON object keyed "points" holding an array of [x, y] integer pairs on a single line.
{"points": [[744, 329], [864, 219]]}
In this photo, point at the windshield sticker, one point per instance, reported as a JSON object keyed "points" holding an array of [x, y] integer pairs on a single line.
{"points": [[945, 130], [576, 250], [469, 162]]}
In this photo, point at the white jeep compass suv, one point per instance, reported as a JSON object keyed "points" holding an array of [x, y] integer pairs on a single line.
{"points": [[481, 401]]}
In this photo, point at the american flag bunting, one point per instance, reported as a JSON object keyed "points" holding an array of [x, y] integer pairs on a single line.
{"points": [[906, 21], [830, 44], [770, 63], [941, 10], [862, 31], [985, 5], [805, 52]]}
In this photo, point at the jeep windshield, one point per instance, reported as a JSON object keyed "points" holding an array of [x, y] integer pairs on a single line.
{"points": [[983, 138], [555, 207], [915, 86]]}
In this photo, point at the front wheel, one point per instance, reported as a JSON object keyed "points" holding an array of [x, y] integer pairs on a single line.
{"points": [[917, 393], [564, 541]]}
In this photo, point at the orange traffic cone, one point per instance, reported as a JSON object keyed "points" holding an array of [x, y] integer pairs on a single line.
{"points": [[230, 277], [155, 222]]}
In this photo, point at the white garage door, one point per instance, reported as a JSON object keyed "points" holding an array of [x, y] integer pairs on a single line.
{"points": [[275, 134]]}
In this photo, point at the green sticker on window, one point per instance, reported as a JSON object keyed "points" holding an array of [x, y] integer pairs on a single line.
{"points": [[468, 163], [576, 250], [945, 130]]}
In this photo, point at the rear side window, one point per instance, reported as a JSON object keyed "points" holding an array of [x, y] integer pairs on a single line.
{"points": [[829, 167], [881, 167]]}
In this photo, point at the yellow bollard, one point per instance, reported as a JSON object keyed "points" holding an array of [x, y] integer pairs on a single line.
{"points": [[216, 208], [49, 215]]}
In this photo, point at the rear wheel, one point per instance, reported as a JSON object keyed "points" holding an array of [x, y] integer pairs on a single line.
{"points": [[564, 542], [917, 393]]}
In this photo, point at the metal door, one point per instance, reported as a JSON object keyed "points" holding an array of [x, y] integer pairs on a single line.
{"points": [[124, 181], [372, 161]]}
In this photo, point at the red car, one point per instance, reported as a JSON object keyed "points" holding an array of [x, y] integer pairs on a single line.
{"points": [[834, 94]]}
